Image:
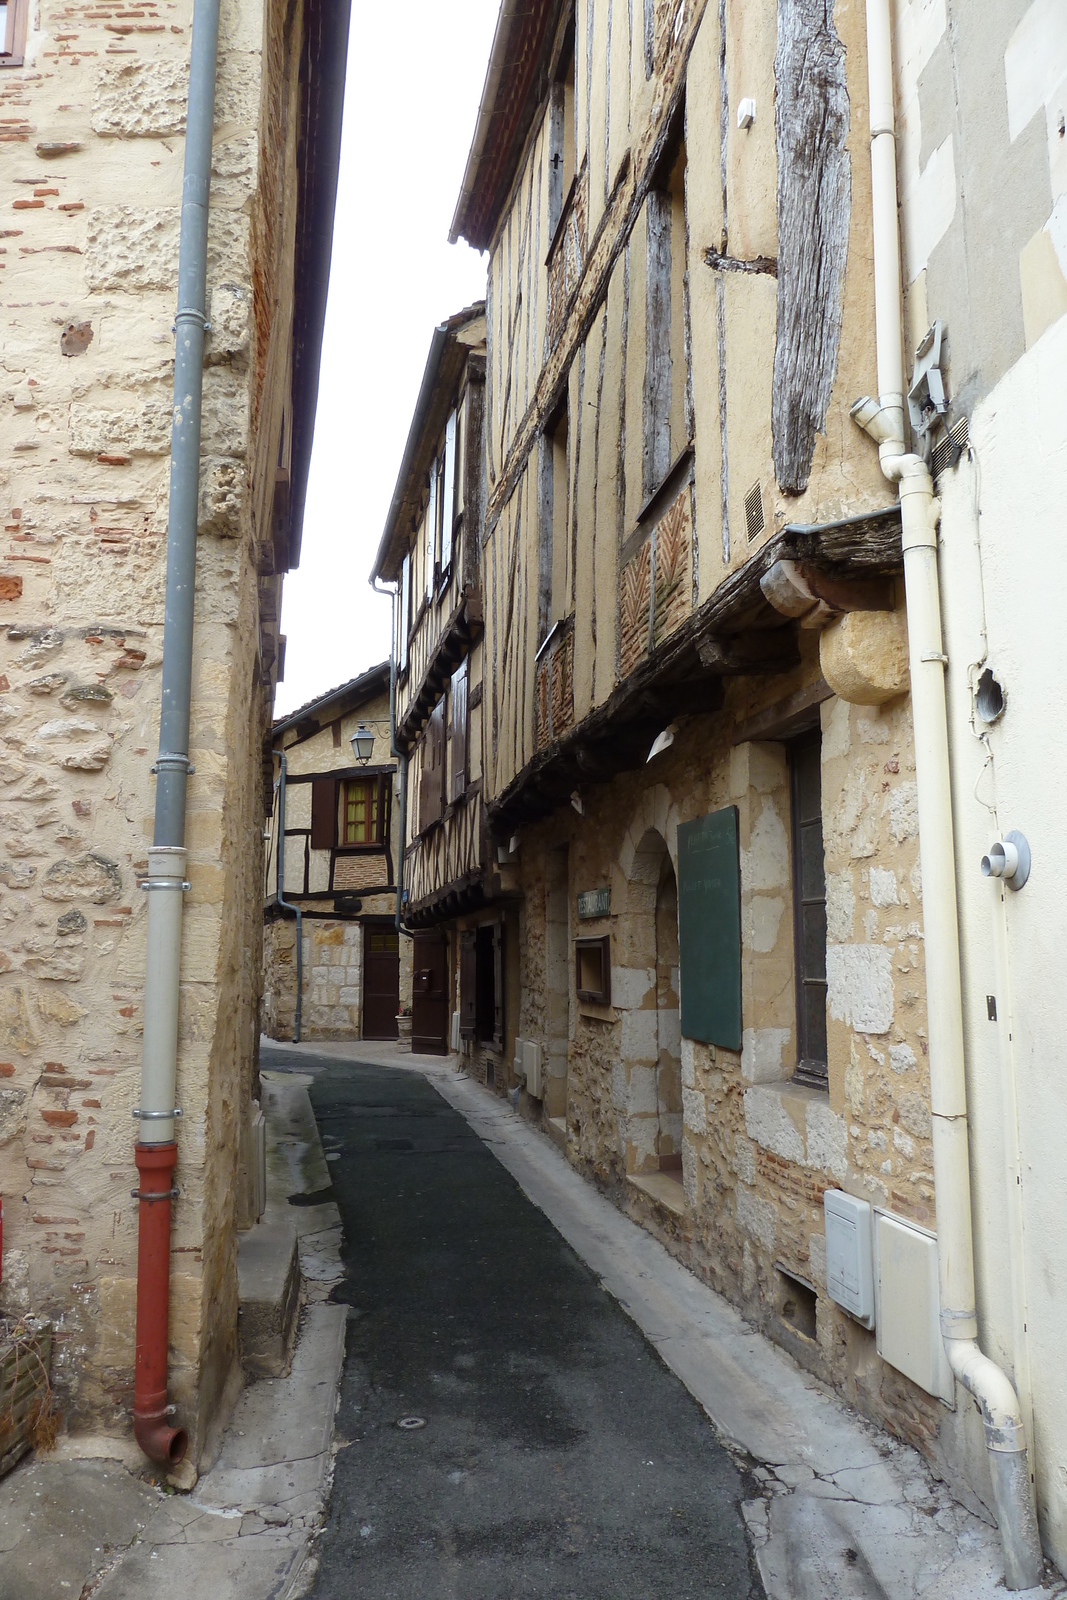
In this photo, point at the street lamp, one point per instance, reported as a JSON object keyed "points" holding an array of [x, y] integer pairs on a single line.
{"points": [[363, 744]]}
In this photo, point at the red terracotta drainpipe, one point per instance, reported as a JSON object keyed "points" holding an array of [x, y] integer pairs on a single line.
{"points": [[152, 1429]]}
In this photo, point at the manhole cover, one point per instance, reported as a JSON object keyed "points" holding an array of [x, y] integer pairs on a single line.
{"points": [[411, 1422]]}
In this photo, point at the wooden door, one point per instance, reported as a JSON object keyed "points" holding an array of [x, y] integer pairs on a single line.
{"points": [[429, 993], [381, 982]]}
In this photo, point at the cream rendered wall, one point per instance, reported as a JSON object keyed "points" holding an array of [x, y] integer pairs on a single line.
{"points": [[1009, 572], [1004, 591]]}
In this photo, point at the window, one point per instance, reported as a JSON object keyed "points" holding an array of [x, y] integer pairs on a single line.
{"points": [[460, 718], [592, 969], [14, 16], [561, 140], [809, 908], [349, 813], [360, 814], [431, 534], [432, 793], [447, 514], [403, 614], [553, 544], [666, 424]]}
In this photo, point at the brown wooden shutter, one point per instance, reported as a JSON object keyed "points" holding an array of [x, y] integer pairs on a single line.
{"points": [[323, 813], [468, 983], [432, 797], [460, 703], [498, 986]]}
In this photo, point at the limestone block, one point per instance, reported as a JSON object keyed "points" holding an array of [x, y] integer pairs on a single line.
{"points": [[225, 420], [840, 907], [883, 887], [640, 1036], [349, 996], [642, 1092], [859, 980], [90, 877], [631, 986], [902, 804], [765, 863], [68, 728], [229, 312], [864, 656], [92, 758], [136, 247], [54, 1006], [762, 1050], [17, 1032], [901, 1057], [669, 1031], [761, 920], [768, 1123], [826, 1139], [141, 98], [139, 428], [745, 1159], [12, 1113], [758, 1218], [690, 1176], [915, 1113], [694, 1110], [688, 1064], [16, 874]]}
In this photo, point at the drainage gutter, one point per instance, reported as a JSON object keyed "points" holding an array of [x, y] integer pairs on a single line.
{"points": [[156, 1150]]}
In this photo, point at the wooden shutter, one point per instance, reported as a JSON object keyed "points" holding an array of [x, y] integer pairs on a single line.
{"points": [[498, 986], [460, 707], [468, 983], [431, 532], [448, 493], [323, 813], [404, 614], [432, 788]]}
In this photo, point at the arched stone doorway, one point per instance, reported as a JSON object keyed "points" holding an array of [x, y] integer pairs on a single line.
{"points": [[648, 1086]]}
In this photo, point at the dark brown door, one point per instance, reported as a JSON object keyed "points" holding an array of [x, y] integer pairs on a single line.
{"points": [[429, 993], [381, 982]]}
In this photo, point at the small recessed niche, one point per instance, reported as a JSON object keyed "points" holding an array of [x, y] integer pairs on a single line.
{"points": [[796, 1303], [988, 698]]}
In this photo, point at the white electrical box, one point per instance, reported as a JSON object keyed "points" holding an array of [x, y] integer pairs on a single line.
{"points": [[531, 1061], [909, 1305], [849, 1266]]}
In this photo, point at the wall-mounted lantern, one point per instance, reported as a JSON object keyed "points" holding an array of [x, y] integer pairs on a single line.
{"points": [[363, 744]]}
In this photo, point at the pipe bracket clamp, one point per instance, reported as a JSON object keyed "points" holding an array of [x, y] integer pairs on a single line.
{"points": [[190, 314], [163, 883], [152, 1116], [159, 1194], [168, 761], [935, 655]]}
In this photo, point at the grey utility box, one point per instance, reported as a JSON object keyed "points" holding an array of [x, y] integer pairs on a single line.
{"points": [[849, 1267]]}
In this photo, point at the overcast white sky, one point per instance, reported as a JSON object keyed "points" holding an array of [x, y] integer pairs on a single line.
{"points": [[414, 81]]}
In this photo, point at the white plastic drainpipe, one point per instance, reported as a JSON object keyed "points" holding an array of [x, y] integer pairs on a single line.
{"points": [[884, 421]]}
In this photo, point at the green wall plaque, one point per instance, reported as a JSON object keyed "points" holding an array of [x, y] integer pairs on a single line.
{"points": [[709, 928]]}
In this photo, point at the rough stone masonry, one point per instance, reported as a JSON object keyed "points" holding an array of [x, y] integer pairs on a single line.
{"points": [[92, 168]]}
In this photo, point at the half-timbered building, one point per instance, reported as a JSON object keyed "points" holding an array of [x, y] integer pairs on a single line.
{"points": [[332, 966], [697, 747], [430, 553]]}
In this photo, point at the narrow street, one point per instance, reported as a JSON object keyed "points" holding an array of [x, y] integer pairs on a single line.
{"points": [[507, 1430]]}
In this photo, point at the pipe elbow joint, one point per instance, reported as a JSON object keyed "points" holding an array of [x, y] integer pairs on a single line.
{"points": [[159, 1441]]}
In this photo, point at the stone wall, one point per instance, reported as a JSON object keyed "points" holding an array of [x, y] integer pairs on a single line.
{"points": [[757, 1149], [92, 186]]}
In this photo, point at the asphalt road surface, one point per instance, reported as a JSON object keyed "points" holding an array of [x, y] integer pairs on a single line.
{"points": [[506, 1431]]}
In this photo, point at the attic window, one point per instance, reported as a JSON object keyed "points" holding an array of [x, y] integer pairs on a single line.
{"points": [[14, 16]]}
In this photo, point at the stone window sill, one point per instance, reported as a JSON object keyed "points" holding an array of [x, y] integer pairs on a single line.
{"points": [[663, 1187]]}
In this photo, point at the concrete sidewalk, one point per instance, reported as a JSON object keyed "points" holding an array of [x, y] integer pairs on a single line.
{"points": [[88, 1521], [846, 1512]]}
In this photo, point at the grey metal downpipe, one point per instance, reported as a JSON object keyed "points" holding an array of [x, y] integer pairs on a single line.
{"points": [[156, 1151], [287, 905]]}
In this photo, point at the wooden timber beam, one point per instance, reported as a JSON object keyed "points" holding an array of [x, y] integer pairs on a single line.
{"points": [[735, 631]]}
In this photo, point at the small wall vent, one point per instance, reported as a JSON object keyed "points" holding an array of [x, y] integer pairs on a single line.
{"points": [[754, 517], [950, 446]]}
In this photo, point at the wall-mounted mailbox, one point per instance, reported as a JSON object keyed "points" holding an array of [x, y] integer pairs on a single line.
{"points": [[849, 1265]]}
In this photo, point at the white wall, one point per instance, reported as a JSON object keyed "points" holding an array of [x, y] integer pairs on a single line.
{"points": [[1004, 557]]}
